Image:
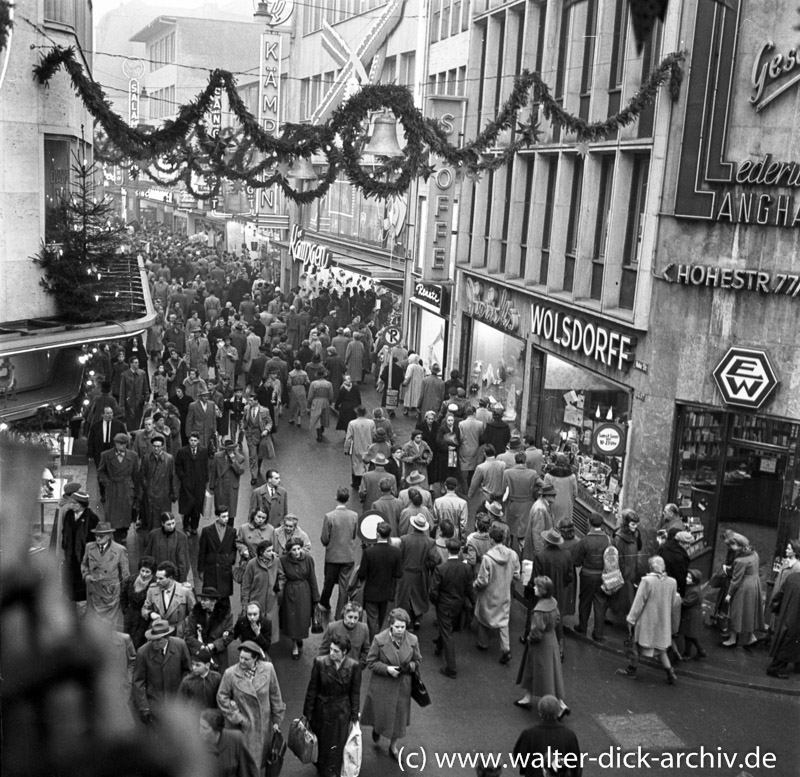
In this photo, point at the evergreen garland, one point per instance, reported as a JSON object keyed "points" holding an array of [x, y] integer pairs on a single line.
{"points": [[181, 150], [6, 22], [77, 260]]}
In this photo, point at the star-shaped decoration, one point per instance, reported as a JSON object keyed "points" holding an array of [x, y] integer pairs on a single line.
{"points": [[529, 132], [474, 174], [283, 168], [583, 149], [426, 170]]}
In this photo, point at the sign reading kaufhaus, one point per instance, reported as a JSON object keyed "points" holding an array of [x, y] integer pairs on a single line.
{"points": [[569, 333], [739, 160]]}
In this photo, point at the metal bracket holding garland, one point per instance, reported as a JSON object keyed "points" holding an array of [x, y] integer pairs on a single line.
{"points": [[183, 151]]}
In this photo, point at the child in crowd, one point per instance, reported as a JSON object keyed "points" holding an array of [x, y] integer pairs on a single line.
{"points": [[692, 616]]}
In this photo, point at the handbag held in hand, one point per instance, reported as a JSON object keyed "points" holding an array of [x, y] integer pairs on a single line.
{"points": [[419, 693], [303, 741]]}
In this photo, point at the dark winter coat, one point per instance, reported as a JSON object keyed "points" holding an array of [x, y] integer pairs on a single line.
{"points": [[157, 676], [192, 474], [300, 594], [75, 535], [676, 562], [786, 642], [132, 601], [204, 628], [215, 559]]}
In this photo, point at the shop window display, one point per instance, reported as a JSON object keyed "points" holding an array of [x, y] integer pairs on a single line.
{"points": [[497, 368]]}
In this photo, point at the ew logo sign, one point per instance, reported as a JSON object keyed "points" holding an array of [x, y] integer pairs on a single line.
{"points": [[745, 377]]}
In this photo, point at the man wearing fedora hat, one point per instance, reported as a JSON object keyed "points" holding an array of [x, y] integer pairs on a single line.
{"points": [[496, 516], [513, 447], [225, 473], [369, 491], [554, 562], [416, 455], [202, 418], [79, 522], [431, 392], [118, 475], [540, 519], [104, 567], [419, 557], [161, 664], [519, 490], [419, 481]]}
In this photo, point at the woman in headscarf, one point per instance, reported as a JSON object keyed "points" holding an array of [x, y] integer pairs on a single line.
{"points": [[300, 594], [348, 398], [131, 598], [744, 595], [413, 384], [298, 383], [355, 357], [262, 580], [448, 440]]}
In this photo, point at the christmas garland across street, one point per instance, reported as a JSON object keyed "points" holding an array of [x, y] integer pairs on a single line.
{"points": [[182, 150]]}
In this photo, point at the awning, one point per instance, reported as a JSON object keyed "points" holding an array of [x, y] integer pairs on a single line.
{"points": [[38, 334]]}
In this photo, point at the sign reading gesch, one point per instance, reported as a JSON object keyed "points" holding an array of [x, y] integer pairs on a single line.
{"points": [[608, 440], [745, 377]]}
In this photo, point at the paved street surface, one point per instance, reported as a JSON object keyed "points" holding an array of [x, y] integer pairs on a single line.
{"points": [[475, 714]]}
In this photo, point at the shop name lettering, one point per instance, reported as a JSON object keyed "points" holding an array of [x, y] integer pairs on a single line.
{"points": [[606, 346], [727, 278], [318, 257], [496, 309], [428, 293], [770, 69]]}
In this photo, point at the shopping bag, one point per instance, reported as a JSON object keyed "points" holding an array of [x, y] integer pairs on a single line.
{"points": [[303, 741], [316, 621], [351, 755], [419, 693], [273, 757], [392, 399]]}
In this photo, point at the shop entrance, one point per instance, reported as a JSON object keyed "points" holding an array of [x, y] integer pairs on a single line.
{"points": [[740, 472]]}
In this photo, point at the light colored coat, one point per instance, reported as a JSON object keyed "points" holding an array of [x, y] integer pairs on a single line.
{"points": [[747, 610], [104, 574], [358, 438], [412, 381], [339, 532], [252, 706], [179, 607], [387, 707], [656, 611], [499, 568], [470, 430]]}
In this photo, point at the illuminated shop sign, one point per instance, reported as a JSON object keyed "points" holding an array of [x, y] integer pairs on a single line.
{"points": [[607, 346], [313, 256], [491, 304]]}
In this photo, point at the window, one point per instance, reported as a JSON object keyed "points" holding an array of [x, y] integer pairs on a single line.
{"points": [[161, 52], [573, 224], [465, 15], [451, 81], [408, 72], [633, 233], [445, 29], [563, 46], [509, 170], [388, 71], [461, 86], [601, 226], [162, 103], [526, 216], [547, 226], [619, 42], [435, 19], [650, 57], [501, 44], [455, 18], [72, 13], [305, 90], [487, 227], [587, 66], [58, 176]]}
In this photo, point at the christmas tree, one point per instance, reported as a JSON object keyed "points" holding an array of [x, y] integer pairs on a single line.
{"points": [[80, 251]]}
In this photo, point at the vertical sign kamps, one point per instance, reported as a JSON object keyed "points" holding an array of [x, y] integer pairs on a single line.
{"points": [[269, 101]]}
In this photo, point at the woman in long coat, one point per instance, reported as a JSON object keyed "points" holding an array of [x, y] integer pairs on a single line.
{"points": [[565, 482], [215, 556], [298, 386], [744, 594], [412, 381], [628, 543], [355, 357], [333, 700], [263, 579], [207, 624], [336, 368], [226, 469], [393, 657], [540, 672], [785, 648], [131, 599], [320, 398], [300, 594], [396, 381], [249, 697], [347, 400]]}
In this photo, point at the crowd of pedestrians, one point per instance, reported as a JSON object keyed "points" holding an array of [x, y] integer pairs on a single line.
{"points": [[230, 357]]}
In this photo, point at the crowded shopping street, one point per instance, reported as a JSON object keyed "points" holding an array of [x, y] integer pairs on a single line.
{"points": [[399, 386]]}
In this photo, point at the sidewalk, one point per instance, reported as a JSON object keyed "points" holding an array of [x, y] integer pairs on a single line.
{"points": [[739, 667]]}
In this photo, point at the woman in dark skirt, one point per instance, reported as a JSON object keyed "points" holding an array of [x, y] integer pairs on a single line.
{"points": [[132, 595], [448, 440], [300, 594], [332, 703], [347, 400]]}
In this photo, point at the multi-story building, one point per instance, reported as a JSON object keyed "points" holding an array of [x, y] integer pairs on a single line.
{"points": [[624, 298], [44, 132]]}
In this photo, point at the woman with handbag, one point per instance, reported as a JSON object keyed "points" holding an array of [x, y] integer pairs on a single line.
{"points": [[300, 594], [332, 704], [262, 583], [393, 658], [248, 537], [448, 440], [744, 595], [540, 671]]}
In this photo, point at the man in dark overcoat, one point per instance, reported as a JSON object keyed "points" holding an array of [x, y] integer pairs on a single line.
{"points": [[160, 666], [785, 648], [541, 742], [217, 554], [554, 562], [380, 569], [118, 475], [101, 435], [419, 556], [202, 418], [169, 544], [451, 589], [159, 487], [191, 469], [79, 522], [132, 390], [227, 467]]}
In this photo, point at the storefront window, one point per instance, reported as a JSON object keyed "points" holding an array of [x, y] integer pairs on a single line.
{"points": [[496, 369], [429, 335], [738, 472]]}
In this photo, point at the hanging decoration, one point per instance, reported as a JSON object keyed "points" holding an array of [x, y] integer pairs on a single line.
{"points": [[182, 151], [6, 22]]}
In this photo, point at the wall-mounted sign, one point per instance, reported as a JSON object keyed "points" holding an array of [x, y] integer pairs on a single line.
{"points": [[216, 113], [153, 193], [728, 278], [313, 256], [608, 440], [277, 11], [715, 181], [133, 102], [269, 101], [432, 294], [745, 377], [491, 304], [607, 346]]}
